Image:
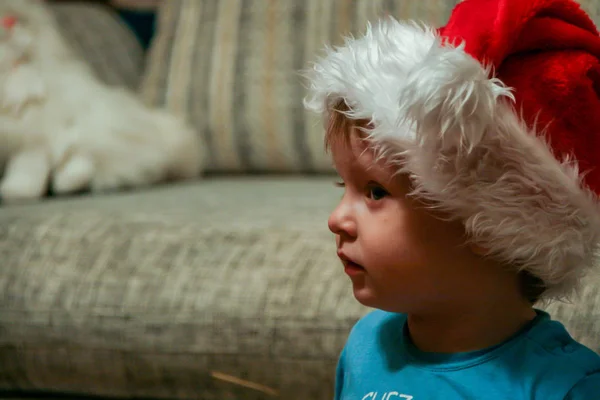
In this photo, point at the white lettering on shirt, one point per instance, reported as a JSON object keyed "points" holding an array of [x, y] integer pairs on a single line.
{"points": [[386, 396]]}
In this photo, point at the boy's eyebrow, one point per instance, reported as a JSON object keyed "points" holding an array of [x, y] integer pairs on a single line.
{"points": [[380, 175]]}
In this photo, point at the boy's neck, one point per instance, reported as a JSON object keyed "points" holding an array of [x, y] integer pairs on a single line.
{"points": [[478, 327]]}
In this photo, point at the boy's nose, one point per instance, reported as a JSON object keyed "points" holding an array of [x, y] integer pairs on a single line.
{"points": [[8, 22], [341, 221]]}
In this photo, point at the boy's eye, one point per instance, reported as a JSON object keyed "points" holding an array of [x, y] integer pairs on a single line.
{"points": [[376, 192]]}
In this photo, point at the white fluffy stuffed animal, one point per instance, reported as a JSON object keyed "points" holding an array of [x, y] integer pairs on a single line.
{"points": [[61, 126]]}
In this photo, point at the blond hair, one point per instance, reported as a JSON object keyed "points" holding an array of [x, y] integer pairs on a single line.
{"points": [[340, 127]]}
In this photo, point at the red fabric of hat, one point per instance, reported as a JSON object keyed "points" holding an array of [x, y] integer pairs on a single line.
{"points": [[548, 51]]}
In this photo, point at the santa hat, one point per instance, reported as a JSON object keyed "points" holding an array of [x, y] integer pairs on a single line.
{"points": [[495, 116]]}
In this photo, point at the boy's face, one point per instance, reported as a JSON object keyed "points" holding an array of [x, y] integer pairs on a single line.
{"points": [[398, 255]]}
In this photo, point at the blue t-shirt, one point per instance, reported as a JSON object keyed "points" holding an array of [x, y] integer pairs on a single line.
{"points": [[541, 362]]}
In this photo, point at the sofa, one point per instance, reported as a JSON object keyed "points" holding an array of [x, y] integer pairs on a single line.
{"points": [[226, 287]]}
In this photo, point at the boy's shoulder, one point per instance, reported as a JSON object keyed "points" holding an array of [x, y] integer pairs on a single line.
{"points": [[549, 349], [543, 359], [549, 339], [561, 364]]}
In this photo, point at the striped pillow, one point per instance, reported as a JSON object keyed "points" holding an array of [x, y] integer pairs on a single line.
{"points": [[97, 34], [232, 67]]}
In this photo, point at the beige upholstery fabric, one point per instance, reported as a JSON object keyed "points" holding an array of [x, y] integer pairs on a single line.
{"points": [[147, 294], [234, 67], [151, 293]]}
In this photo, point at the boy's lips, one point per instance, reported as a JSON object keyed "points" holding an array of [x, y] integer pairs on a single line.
{"points": [[350, 267]]}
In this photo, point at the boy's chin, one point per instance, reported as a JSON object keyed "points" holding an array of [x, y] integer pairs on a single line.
{"points": [[369, 298], [366, 296]]}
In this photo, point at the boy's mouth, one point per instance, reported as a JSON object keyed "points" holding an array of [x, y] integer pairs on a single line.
{"points": [[350, 267], [353, 269]]}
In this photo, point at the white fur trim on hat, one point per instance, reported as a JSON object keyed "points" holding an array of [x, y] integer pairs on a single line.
{"points": [[439, 116]]}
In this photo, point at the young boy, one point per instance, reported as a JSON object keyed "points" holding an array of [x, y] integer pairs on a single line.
{"points": [[469, 159]]}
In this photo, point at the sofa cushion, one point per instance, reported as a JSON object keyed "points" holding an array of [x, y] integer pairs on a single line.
{"points": [[233, 67], [229, 288], [176, 292]]}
